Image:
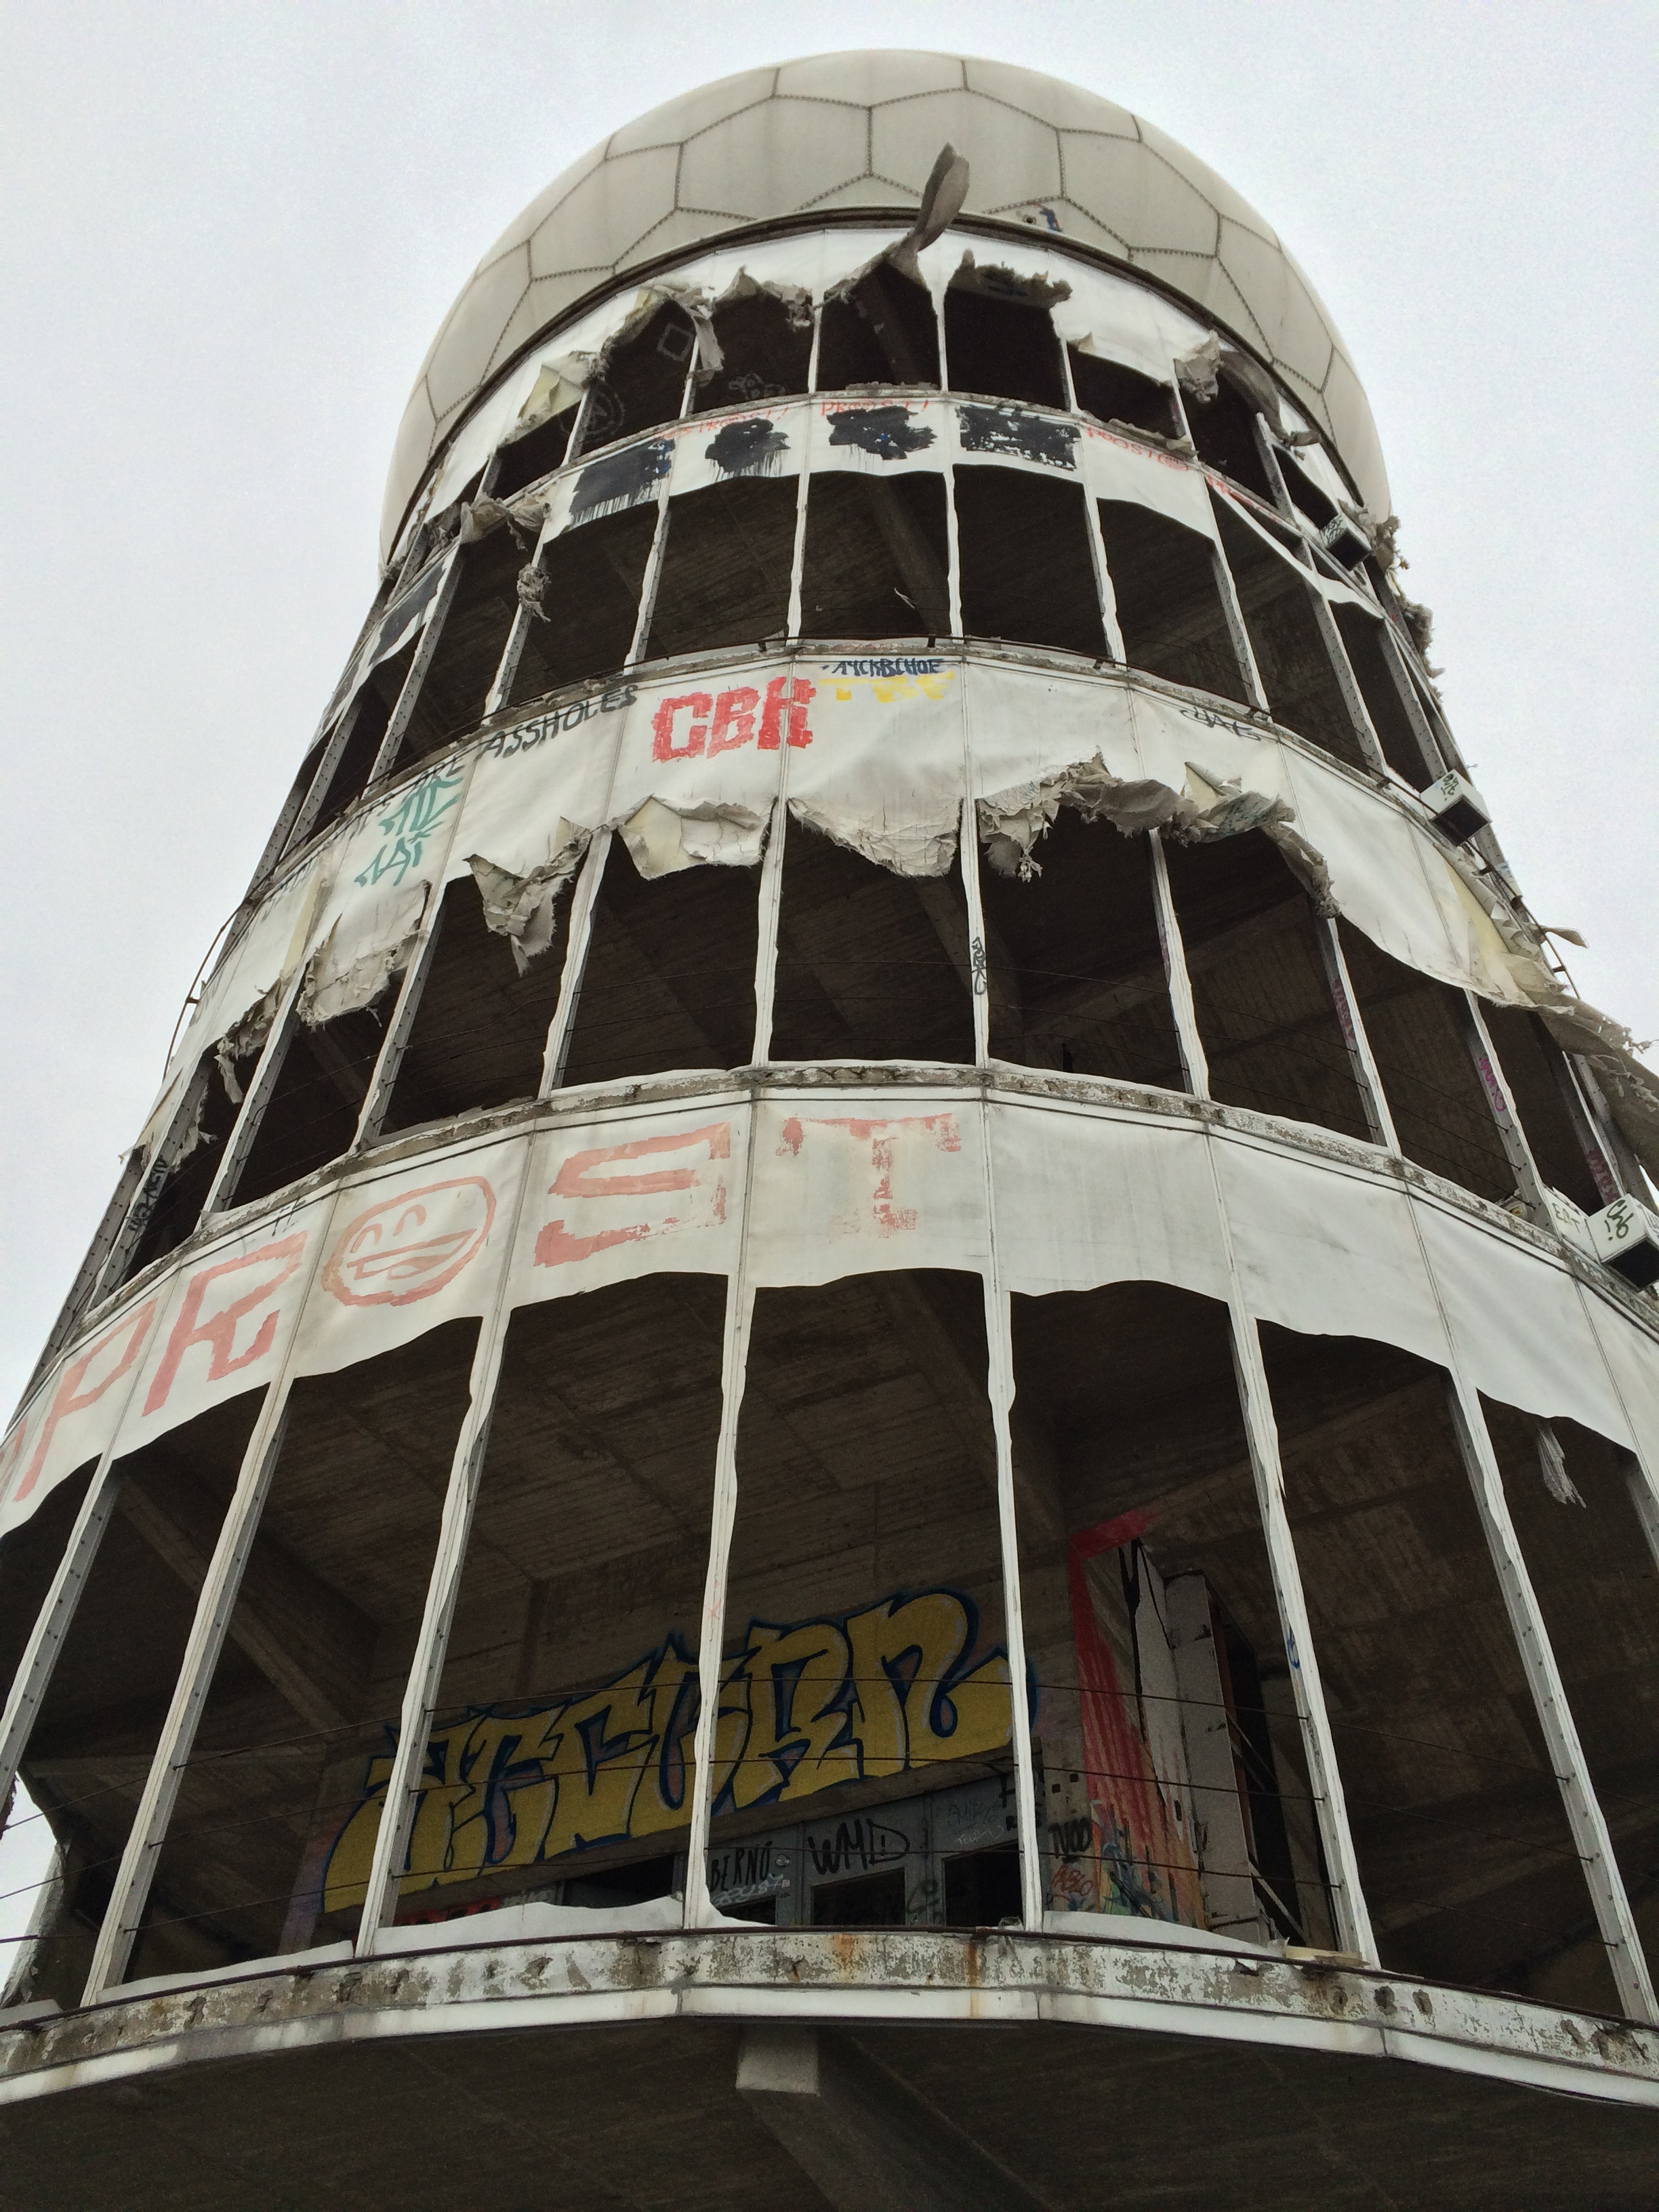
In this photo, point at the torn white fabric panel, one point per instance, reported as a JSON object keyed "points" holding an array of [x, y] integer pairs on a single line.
{"points": [[883, 771], [850, 1188], [1014, 822], [364, 947], [522, 908], [910, 848], [279, 932], [1119, 467], [689, 738], [245, 1039], [1026, 723], [410, 1247], [1328, 1250], [761, 443], [1521, 1329], [1633, 1359], [661, 841], [1086, 1196], [537, 778]]}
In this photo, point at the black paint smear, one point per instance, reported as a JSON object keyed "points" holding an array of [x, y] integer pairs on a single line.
{"points": [[1008, 430], [747, 448], [620, 479], [886, 432]]}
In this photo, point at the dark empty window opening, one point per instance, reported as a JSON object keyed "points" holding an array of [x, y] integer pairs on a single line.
{"points": [[1114, 393], [1416, 1029], [468, 653], [311, 1114], [726, 562], [642, 382], [1002, 347], [869, 1900], [871, 965], [1535, 1069], [169, 1200], [1075, 969], [370, 711], [1169, 606], [876, 560], [1368, 656], [1224, 431], [1296, 671], [299, 791], [1027, 570], [534, 454], [670, 978], [765, 351], [882, 331], [590, 603], [480, 1030], [1305, 493], [1266, 1018], [982, 1888]]}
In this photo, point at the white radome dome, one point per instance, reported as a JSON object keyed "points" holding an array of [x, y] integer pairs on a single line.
{"points": [[862, 129]]}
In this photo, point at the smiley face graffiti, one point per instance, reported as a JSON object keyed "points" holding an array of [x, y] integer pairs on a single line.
{"points": [[409, 1247]]}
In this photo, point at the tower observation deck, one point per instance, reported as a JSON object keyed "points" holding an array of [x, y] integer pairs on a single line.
{"points": [[874, 1419]]}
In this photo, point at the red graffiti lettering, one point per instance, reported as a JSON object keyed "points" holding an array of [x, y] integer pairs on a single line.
{"points": [[218, 1329], [75, 1393], [881, 1137], [734, 720], [409, 1247], [786, 700], [579, 1177], [699, 705]]}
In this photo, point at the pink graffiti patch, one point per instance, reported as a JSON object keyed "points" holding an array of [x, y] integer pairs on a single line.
{"points": [[584, 1176], [886, 1219], [410, 1247]]}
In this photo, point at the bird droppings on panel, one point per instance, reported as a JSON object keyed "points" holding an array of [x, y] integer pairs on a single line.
{"points": [[1011, 431], [751, 447], [890, 433], [620, 480]]}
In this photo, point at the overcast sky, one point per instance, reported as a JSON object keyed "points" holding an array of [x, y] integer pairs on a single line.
{"points": [[230, 231]]}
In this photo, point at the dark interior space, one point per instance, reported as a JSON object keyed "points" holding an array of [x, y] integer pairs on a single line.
{"points": [[882, 331], [480, 1030], [1415, 1026], [568, 1700], [311, 1114], [591, 603], [1002, 346], [1075, 969], [1114, 393], [726, 562], [370, 712], [982, 1888], [1296, 671], [1027, 571], [30, 1554], [90, 1752], [1362, 638], [642, 382], [670, 977], [864, 1653], [1535, 1070], [876, 560], [1174, 1784], [1465, 1855], [303, 1707], [1266, 1016], [299, 791], [766, 351], [1169, 606], [1593, 1574], [1305, 494], [871, 965], [1224, 431], [451, 700], [534, 454], [174, 1190]]}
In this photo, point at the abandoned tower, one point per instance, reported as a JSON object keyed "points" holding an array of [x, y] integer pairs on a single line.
{"points": [[874, 1420]]}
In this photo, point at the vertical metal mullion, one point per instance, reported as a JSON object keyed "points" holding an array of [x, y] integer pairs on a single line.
{"points": [[431, 632], [798, 548], [1232, 607], [152, 1181], [208, 1628], [378, 1097], [1349, 1909], [89, 1284], [1422, 729], [1194, 1061], [978, 946], [1367, 1076], [316, 793], [812, 350], [1507, 1122], [1353, 698], [771, 901], [642, 637], [1604, 1171], [1000, 1384], [1643, 1495], [255, 1099], [1584, 1816], [1626, 1165], [698, 1908], [578, 937], [506, 668]]}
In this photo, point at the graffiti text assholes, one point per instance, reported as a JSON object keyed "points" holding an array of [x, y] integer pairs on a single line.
{"points": [[802, 1708]]}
